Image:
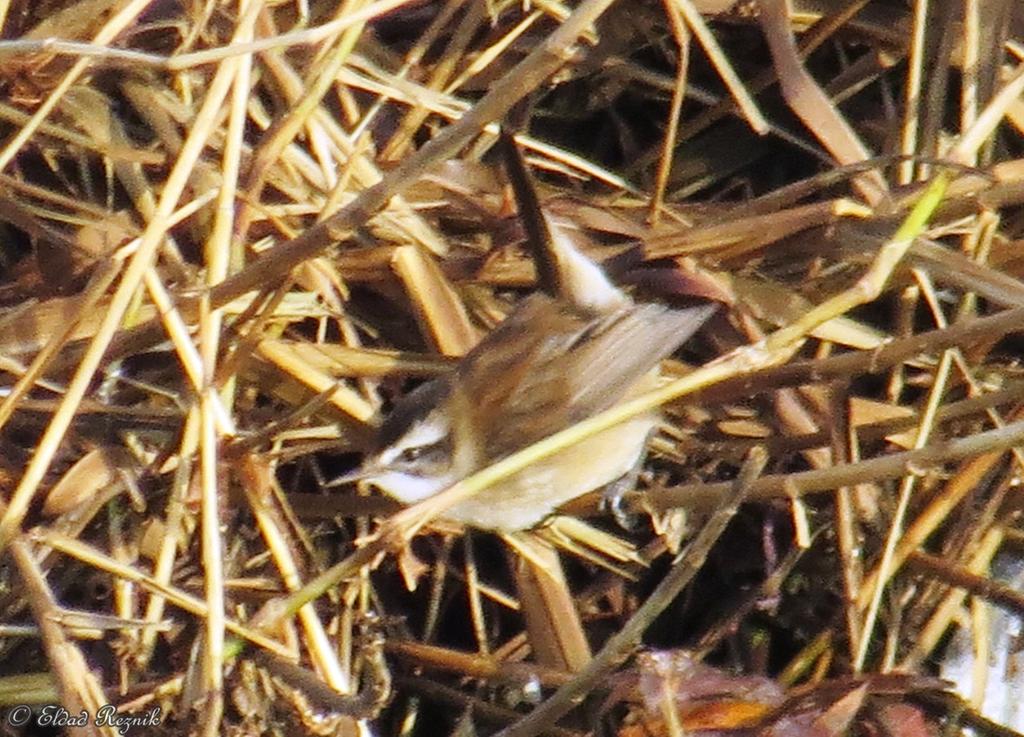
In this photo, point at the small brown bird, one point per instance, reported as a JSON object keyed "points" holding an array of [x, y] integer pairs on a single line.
{"points": [[557, 359]]}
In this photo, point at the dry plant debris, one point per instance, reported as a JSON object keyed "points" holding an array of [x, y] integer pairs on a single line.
{"points": [[233, 233]]}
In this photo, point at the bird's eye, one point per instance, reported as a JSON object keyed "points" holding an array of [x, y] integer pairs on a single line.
{"points": [[423, 455], [411, 454]]}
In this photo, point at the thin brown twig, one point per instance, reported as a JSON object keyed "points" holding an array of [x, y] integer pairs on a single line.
{"points": [[890, 466], [808, 101]]}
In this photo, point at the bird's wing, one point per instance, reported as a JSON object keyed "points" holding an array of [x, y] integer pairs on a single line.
{"points": [[627, 347], [549, 365]]}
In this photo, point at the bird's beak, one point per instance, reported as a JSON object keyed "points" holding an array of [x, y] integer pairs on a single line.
{"points": [[366, 470]]}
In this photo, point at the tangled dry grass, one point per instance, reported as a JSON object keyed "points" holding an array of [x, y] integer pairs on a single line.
{"points": [[233, 233]]}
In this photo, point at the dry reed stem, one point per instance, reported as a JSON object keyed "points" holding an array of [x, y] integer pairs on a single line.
{"points": [[682, 39], [78, 687], [181, 599]]}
